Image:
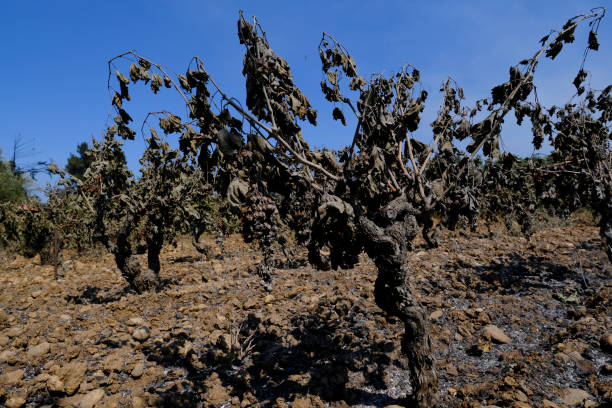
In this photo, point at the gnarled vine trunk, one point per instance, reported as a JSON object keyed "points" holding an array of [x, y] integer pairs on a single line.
{"points": [[387, 239]]}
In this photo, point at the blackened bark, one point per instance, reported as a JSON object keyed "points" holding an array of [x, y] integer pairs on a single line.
{"points": [[386, 242], [126, 262]]}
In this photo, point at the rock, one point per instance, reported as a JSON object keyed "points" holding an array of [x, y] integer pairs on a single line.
{"points": [[141, 334], [215, 391], [436, 314], [72, 375], [8, 356], [4, 340], [15, 402], [55, 385], [496, 334], [606, 369], [14, 331], [113, 362], [269, 298], [90, 399], [606, 342], [136, 321], [311, 401], [451, 370], [251, 303], [138, 402], [548, 404], [39, 350], [573, 396], [12, 377], [138, 370]]}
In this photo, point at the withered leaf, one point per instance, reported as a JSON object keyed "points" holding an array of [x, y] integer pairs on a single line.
{"points": [[125, 117], [554, 49], [156, 82], [117, 100], [593, 43], [338, 115]]}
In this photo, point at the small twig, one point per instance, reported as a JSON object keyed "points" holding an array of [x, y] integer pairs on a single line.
{"points": [[432, 148], [400, 159], [272, 132], [415, 169], [159, 67]]}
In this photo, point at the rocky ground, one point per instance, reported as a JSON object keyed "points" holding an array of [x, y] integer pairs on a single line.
{"points": [[515, 323]]}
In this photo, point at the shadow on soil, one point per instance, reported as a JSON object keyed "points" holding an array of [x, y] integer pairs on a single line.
{"points": [[316, 357]]}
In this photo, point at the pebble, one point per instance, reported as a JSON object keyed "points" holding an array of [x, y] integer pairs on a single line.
{"points": [[573, 396], [39, 350], [15, 402], [496, 334], [435, 315], [141, 334], [606, 342], [138, 370], [12, 377], [90, 399], [136, 321], [14, 331], [4, 340], [8, 356], [55, 384]]}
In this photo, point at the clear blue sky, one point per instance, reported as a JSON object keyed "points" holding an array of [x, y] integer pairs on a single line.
{"points": [[55, 53]]}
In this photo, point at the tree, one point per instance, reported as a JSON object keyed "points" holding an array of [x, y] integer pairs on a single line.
{"points": [[13, 184], [77, 165], [378, 193]]}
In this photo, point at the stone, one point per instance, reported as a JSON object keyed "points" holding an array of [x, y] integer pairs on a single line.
{"points": [[4, 340], [451, 370], [8, 356], [141, 334], [548, 404], [138, 402], [606, 342], [138, 370], [72, 375], [113, 362], [15, 402], [90, 399], [251, 303], [14, 331], [136, 321], [573, 396], [11, 378], [55, 384], [496, 334], [39, 350], [215, 391], [436, 314]]}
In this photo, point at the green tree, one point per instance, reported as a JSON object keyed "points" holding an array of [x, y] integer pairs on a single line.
{"points": [[13, 184], [77, 165]]}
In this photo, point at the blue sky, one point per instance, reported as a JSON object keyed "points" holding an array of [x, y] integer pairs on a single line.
{"points": [[54, 70]]}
